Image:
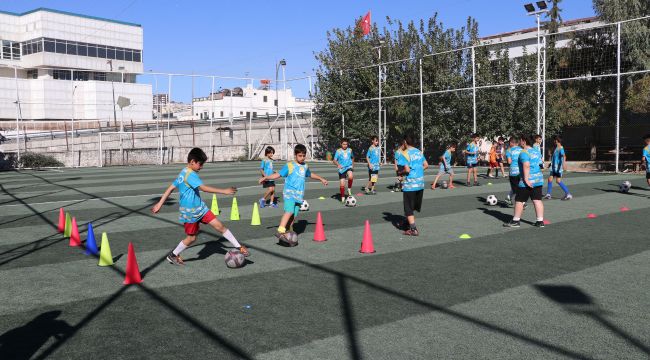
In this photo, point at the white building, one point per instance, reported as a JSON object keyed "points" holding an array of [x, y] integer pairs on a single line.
{"points": [[59, 62]]}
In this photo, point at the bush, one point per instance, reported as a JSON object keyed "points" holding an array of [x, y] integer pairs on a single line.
{"points": [[36, 161]]}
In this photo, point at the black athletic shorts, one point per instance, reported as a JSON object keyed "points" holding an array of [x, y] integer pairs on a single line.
{"points": [[525, 193], [647, 174], [514, 183], [268, 183], [556, 174], [499, 160], [412, 201], [344, 175]]}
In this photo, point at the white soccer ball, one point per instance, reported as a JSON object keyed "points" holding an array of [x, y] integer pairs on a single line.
{"points": [[491, 200], [304, 206], [625, 186], [350, 201], [234, 259], [444, 185]]}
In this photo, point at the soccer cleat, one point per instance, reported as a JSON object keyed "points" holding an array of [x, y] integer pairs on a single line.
{"points": [[274, 205], [476, 183], [411, 232], [373, 192], [262, 203], [547, 197], [468, 184], [175, 259], [567, 197], [244, 251], [512, 223], [343, 199], [349, 192], [539, 224]]}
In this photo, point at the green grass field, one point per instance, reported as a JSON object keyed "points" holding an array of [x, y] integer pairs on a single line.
{"points": [[577, 289]]}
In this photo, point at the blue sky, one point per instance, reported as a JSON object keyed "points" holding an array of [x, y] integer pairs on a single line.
{"points": [[234, 38]]}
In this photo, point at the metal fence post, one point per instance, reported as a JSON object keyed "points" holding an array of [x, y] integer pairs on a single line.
{"points": [[618, 93], [474, 89], [421, 111]]}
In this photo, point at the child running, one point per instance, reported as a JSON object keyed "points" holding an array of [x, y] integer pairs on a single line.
{"points": [[445, 167], [558, 166], [646, 158], [414, 164], [501, 150], [530, 184], [192, 209], [372, 157], [512, 157], [471, 154], [266, 168], [294, 173], [344, 161], [493, 161]]}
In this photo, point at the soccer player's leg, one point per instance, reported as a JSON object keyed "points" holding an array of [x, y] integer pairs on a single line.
{"points": [[342, 178], [522, 196], [350, 177], [567, 194], [287, 219], [369, 185], [549, 186], [212, 220], [451, 179], [435, 180], [412, 202], [536, 196], [191, 229]]}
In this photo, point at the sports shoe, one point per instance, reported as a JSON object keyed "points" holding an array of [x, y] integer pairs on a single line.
{"points": [[244, 251], [512, 223], [411, 232], [343, 199], [468, 184], [491, 176], [262, 203], [451, 187], [567, 197], [175, 259], [274, 205], [284, 239], [476, 183], [547, 197], [373, 192], [349, 192], [539, 224]]}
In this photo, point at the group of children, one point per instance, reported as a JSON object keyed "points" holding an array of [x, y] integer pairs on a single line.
{"points": [[523, 156]]}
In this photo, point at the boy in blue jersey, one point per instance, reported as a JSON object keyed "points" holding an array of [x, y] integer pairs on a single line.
{"points": [[294, 173], [397, 153], [530, 184], [471, 154], [266, 168], [192, 209], [344, 161], [445, 166], [538, 146], [372, 157], [512, 157], [645, 160], [414, 164], [558, 166]]}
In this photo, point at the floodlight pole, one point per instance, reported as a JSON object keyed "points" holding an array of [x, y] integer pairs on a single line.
{"points": [[474, 89], [618, 93], [379, 99], [284, 89], [421, 111], [539, 75], [18, 117]]}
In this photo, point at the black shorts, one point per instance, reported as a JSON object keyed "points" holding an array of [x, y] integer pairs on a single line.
{"points": [[647, 174], [344, 175], [556, 174], [412, 201], [499, 160], [371, 173], [525, 193], [471, 166], [514, 183], [268, 184]]}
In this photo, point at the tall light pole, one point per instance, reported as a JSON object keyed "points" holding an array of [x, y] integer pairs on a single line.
{"points": [[542, 8], [282, 63], [380, 43]]}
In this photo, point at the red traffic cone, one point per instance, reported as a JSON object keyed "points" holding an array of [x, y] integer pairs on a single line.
{"points": [[319, 234], [592, 216], [625, 208], [75, 240], [61, 226], [367, 246], [132, 270], [546, 222]]}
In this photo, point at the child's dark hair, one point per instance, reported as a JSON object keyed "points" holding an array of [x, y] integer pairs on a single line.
{"points": [[646, 137], [345, 140], [269, 150], [557, 138], [373, 138], [197, 155], [501, 138], [514, 139], [408, 139], [474, 135], [300, 149], [525, 138], [536, 136], [452, 144]]}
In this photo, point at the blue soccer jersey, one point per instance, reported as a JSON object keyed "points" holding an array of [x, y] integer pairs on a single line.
{"points": [[513, 155], [294, 184], [557, 161], [535, 176], [447, 159], [414, 181], [344, 158], [267, 166], [472, 158], [191, 207], [373, 156], [646, 156]]}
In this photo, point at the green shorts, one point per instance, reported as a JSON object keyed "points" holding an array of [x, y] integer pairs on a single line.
{"points": [[291, 206]]}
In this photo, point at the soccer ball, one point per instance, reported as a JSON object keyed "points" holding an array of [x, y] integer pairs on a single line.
{"points": [[304, 206], [444, 185], [625, 186], [234, 259], [491, 200], [350, 201]]}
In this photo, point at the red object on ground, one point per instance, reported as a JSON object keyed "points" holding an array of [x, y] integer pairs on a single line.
{"points": [[625, 209], [61, 226], [592, 216], [132, 270], [367, 246], [75, 240], [319, 234], [546, 222]]}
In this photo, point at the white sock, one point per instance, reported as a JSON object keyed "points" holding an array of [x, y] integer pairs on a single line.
{"points": [[230, 237], [179, 249], [540, 219], [515, 219]]}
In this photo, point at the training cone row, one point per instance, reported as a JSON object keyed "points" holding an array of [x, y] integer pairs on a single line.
{"points": [[215, 206], [255, 220], [132, 270], [319, 234], [234, 210]]}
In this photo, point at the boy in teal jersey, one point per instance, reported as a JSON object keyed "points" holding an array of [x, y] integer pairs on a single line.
{"points": [[397, 153], [512, 157], [344, 161], [530, 185], [538, 146], [645, 160], [266, 168], [558, 166], [372, 157], [294, 173], [414, 164], [471, 154], [192, 209], [445, 167]]}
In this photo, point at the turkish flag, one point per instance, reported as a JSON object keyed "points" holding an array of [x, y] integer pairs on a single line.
{"points": [[365, 24]]}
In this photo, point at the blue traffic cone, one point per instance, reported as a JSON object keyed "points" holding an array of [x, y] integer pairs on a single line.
{"points": [[91, 244]]}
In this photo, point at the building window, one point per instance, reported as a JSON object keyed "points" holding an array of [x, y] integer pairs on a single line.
{"points": [[61, 74], [241, 113], [254, 114], [15, 51], [48, 45], [92, 50], [101, 51], [32, 74], [82, 49], [6, 49], [119, 54], [275, 102], [110, 52], [99, 76], [60, 47], [71, 48], [221, 114], [266, 98]]}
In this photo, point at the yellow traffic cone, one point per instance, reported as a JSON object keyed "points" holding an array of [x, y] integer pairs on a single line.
{"points": [[256, 215], [215, 205], [67, 231], [105, 256], [234, 210]]}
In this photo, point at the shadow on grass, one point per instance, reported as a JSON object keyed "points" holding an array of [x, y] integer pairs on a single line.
{"points": [[23, 342]]}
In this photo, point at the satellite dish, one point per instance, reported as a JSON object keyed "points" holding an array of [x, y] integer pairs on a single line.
{"points": [[123, 102]]}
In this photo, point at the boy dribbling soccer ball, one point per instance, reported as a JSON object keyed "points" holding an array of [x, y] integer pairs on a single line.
{"points": [[471, 153], [372, 157], [445, 167], [266, 168], [344, 161], [193, 210]]}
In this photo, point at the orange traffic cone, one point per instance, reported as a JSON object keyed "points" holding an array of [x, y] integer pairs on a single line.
{"points": [[61, 226], [132, 270], [367, 246], [75, 240], [319, 234]]}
